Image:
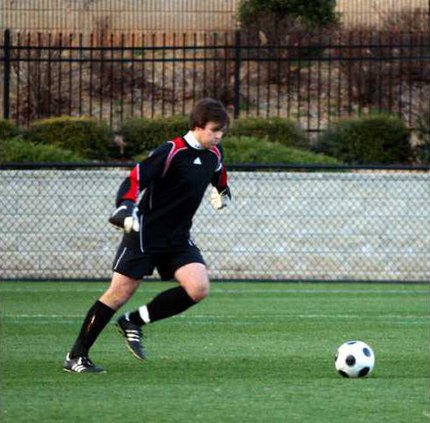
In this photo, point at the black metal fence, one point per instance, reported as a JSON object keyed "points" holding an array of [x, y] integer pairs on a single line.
{"points": [[284, 223], [313, 79]]}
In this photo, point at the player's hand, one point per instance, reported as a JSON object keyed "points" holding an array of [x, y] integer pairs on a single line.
{"points": [[125, 217], [219, 200]]}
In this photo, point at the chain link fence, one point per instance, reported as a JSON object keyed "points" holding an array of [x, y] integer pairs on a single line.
{"points": [[284, 223]]}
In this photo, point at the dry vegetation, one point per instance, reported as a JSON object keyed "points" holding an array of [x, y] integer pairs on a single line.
{"points": [[319, 86]]}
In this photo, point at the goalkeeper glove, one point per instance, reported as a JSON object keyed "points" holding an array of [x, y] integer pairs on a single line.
{"points": [[125, 217], [219, 200]]}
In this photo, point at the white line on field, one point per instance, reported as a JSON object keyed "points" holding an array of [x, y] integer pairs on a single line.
{"points": [[244, 291], [235, 317], [351, 291], [302, 316], [54, 290], [43, 316]]}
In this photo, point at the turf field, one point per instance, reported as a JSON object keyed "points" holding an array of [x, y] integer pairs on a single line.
{"points": [[251, 352]]}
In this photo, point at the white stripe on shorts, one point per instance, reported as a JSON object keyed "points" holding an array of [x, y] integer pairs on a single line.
{"points": [[120, 258], [141, 234]]}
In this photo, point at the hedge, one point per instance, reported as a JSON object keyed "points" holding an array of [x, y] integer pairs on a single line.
{"points": [[17, 150], [144, 134], [274, 129], [85, 136], [8, 129], [374, 139], [255, 150], [422, 149]]}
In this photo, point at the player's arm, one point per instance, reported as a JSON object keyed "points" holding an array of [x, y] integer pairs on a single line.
{"points": [[220, 195], [139, 178]]}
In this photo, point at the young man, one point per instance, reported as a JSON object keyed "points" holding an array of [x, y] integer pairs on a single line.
{"points": [[157, 233]]}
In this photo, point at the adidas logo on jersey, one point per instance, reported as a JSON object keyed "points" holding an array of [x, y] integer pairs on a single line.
{"points": [[197, 161]]}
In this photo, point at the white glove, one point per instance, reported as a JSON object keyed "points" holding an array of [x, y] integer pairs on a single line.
{"points": [[131, 223], [219, 200]]}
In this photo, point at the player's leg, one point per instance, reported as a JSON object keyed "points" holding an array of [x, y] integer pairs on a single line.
{"points": [[193, 287], [120, 291], [98, 316], [194, 279]]}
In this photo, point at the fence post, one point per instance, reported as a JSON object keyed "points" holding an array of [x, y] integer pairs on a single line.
{"points": [[237, 64], [6, 74]]}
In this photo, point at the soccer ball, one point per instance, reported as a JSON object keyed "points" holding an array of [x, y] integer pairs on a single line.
{"points": [[354, 359]]}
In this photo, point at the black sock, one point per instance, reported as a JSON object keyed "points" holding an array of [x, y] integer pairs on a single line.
{"points": [[96, 319], [166, 304]]}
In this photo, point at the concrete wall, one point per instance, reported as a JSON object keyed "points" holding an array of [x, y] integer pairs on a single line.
{"points": [[125, 15], [325, 226], [164, 15]]}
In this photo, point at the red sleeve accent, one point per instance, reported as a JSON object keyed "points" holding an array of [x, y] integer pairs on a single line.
{"points": [[133, 190], [217, 153], [222, 182], [220, 177], [178, 144]]}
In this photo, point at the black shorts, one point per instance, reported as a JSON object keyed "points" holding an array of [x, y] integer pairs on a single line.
{"points": [[132, 262]]}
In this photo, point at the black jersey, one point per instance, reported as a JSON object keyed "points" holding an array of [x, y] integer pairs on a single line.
{"points": [[175, 178]]}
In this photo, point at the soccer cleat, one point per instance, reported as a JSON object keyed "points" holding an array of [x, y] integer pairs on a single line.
{"points": [[133, 336], [81, 365]]}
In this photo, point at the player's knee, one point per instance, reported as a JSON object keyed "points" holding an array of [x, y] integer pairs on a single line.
{"points": [[198, 291], [124, 293], [194, 279], [117, 297], [119, 292]]}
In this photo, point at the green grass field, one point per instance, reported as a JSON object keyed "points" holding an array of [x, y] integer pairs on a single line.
{"points": [[251, 352]]}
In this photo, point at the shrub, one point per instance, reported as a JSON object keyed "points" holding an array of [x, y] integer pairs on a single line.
{"points": [[17, 150], [291, 23], [85, 136], [254, 150], [283, 131], [144, 134], [8, 129], [422, 150], [377, 139], [276, 18]]}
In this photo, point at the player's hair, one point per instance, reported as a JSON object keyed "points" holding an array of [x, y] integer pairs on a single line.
{"points": [[208, 110]]}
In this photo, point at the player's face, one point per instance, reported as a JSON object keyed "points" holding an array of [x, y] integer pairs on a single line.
{"points": [[210, 135]]}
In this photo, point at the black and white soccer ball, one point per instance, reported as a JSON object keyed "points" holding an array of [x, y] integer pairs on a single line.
{"points": [[354, 359]]}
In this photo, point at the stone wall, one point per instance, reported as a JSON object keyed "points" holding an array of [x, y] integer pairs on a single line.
{"points": [[281, 225]]}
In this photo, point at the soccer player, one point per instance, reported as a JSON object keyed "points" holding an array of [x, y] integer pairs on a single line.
{"points": [[171, 183]]}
